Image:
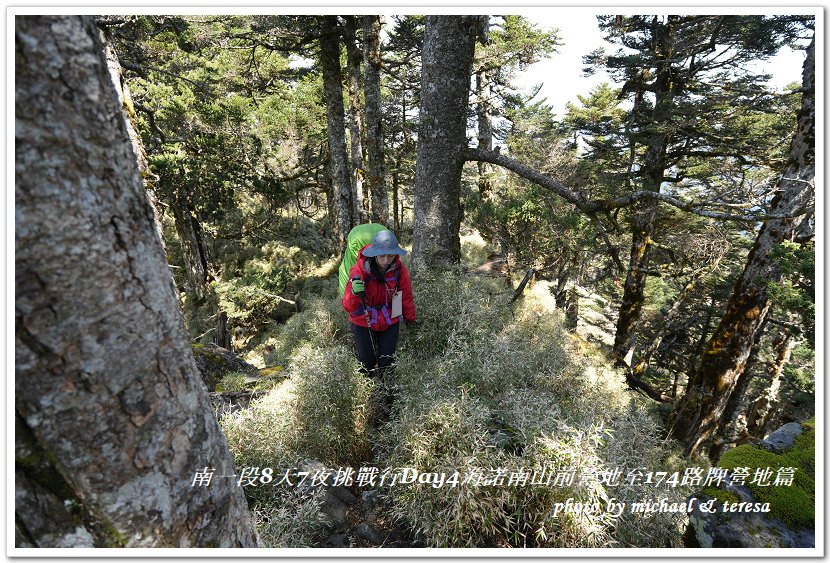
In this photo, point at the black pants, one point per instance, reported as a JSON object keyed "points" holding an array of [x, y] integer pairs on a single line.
{"points": [[386, 342]]}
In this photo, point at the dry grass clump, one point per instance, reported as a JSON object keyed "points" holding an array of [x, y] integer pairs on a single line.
{"points": [[317, 414], [474, 249], [285, 519], [483, 389]]}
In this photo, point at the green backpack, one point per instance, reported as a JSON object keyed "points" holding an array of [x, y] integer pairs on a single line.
{"points": [[358, 237]]}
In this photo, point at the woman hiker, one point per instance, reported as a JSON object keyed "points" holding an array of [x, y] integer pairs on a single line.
{"points": [[378, 294]]}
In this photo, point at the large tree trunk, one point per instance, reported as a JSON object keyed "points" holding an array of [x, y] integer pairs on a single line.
{"points": [[354, 78], [400, 153], [724, 359], [730, 426], [111, 417], [342, 196], [376, 165], [396, 216], [642, 231], [447, 61]]}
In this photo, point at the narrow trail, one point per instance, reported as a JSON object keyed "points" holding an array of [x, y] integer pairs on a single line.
{"points": [[360, 517]]}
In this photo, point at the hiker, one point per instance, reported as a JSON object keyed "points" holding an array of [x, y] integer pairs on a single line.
{"points": [[378, 294]]}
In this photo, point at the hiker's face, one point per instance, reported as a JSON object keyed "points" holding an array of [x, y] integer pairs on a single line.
{"points": [[384, 260]]}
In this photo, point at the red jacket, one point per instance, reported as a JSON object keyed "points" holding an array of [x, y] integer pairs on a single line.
{"points": [[379, 295]]}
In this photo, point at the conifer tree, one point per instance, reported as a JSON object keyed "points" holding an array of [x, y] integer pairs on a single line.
{"points": [[724, 360]]}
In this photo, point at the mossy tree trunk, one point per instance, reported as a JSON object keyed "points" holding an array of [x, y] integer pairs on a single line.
{"points": [[341, 195], [733, 426], [112, 419], [761, 413], [643, 219], [730, 427], [376, 163], [484, 113], [357, 118], [724, 359], [446, 68]]}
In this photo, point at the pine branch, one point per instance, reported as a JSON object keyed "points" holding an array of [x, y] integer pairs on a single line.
{"points": [[605, 205]]}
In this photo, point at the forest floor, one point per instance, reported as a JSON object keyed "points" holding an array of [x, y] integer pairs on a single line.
{"points": [[366, 523]]}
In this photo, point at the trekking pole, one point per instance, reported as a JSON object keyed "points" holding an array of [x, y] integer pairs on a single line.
{"points": [[371, 336], [369, 328]]}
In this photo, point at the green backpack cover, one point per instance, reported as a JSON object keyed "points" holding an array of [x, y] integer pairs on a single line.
{"points": [[358, 237]]}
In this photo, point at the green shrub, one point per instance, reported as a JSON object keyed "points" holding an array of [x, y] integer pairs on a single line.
{"points": [[721, 495], [261, 276]]}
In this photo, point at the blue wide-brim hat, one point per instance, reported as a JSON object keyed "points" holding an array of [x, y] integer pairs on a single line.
{"points": [[384, 242]]}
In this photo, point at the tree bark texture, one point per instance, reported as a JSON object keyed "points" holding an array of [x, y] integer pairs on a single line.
{"points": [[484, 113], [396, 216], [724, 358], [447, 61], [376, 163], [223, 336], [401, 150], [112, 418], [341, 186], [642, 231], [730, 426], [126, 100], [485, 133], [357, 118]]}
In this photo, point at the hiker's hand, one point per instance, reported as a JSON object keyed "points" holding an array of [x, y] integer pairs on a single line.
{"points": [[357, 287]]}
